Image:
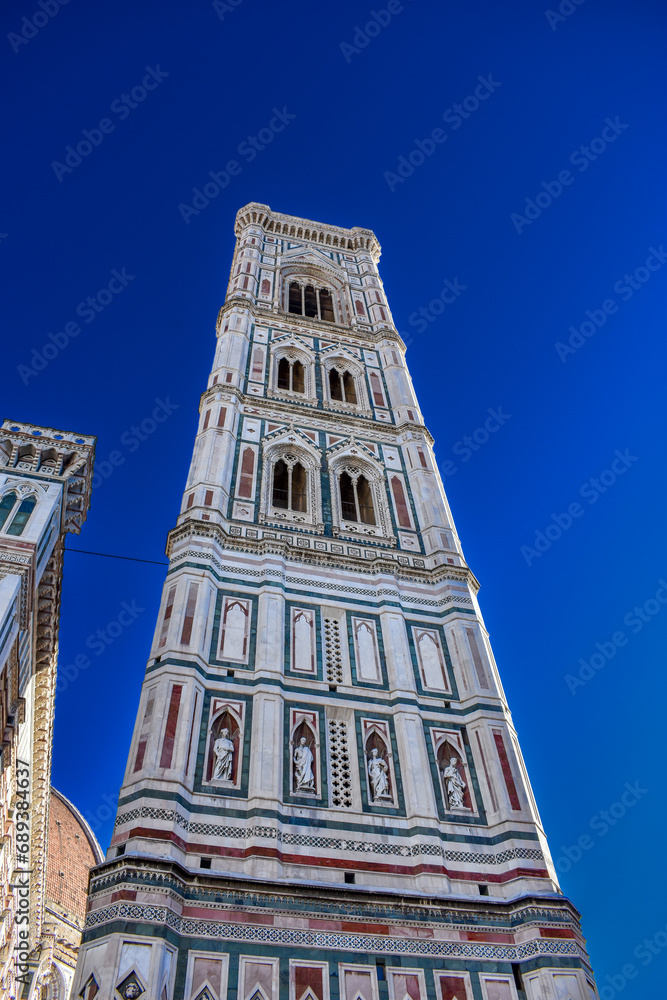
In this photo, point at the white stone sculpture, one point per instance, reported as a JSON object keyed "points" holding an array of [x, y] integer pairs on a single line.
{"points": [[454, 784], [223, 748], [377, 772], [304, 780]]}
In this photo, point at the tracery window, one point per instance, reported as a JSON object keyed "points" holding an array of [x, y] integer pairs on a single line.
{"points": [[307, 300], [6, 506], [291, 375], [22, 515], [342, 386], [356, 499], [289, 487]]}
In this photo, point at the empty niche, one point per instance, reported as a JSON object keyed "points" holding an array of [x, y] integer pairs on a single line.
{"points": [[234, 629], [431, 659], [303, 640], [366, 650]]}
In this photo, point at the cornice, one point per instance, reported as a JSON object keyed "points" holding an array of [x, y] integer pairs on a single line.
{"points": [[354, 239], [50, 455], [307, 414], [333, 898], [333, 331], [381, 565]]}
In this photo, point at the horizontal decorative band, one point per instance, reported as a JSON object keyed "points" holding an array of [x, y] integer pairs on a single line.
{"points": [[339, 861], [331, 940], [326, 843]]}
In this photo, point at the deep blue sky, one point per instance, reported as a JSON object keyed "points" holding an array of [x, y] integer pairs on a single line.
{"points": [[493, 347]]}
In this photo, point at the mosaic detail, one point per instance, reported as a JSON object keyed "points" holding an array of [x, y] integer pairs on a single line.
{"points": [[328, 843], [335, 941]]}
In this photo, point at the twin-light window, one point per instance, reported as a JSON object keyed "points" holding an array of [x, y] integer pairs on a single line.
{"points": [[17, 518]]}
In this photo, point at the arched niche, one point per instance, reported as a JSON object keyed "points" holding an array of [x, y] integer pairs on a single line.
{"points": [[225, 719]]}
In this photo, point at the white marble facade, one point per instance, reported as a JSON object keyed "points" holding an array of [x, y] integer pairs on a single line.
{"points": [[336, 643]]}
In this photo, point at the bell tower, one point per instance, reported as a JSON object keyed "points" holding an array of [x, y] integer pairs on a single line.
{"points": [[325, 797]]}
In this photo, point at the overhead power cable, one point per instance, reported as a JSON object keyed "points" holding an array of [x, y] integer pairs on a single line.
{"points": [[110, 555]]}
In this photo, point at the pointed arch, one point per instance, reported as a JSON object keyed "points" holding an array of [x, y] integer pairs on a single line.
{"points": [[225, 719], [22, 515], [7, 505], [291, 489]]}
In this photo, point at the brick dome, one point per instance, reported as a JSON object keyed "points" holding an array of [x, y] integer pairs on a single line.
{"points": [[72, 851]]}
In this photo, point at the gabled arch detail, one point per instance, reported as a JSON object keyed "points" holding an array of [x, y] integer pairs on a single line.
{"points": [[293, 352], [356, 476], [297, 454]]}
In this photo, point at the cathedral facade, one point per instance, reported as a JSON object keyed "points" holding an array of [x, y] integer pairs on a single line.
{"points": [[325, 798], [45, 489]]}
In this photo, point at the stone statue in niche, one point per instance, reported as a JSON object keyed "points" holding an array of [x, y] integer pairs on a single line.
{"points": [[304, 780], [223, 748], [454, 784], [378, 774]]}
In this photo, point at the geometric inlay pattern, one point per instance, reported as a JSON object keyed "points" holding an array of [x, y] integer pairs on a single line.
{"points": [[328, 843], [333, 940], [339, 761], [332, 652]]}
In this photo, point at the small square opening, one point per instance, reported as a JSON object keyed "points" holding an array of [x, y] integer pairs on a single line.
{"points": [[120, 851], [204, 862], [483, 890], [230, 673], [349, 877], [333, 687]]}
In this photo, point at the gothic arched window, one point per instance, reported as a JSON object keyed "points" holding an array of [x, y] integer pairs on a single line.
{"points": [[307, 300], [295, 298], [310, 301], [289, 485], [342, 386], [22, 516], [326, 305], [291, 375], [349, 389], [6, 506], [356, 500]]}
